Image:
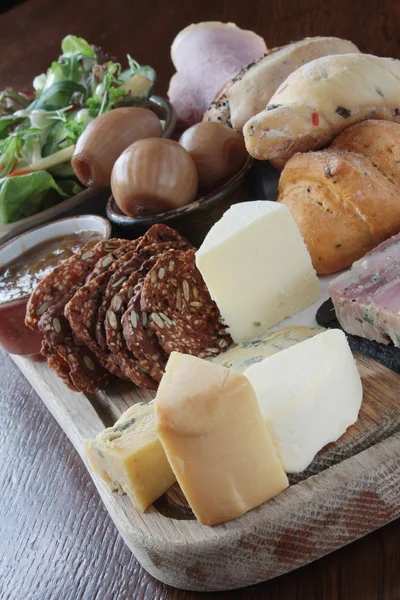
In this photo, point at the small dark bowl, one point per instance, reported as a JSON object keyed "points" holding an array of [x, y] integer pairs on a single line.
{"points": [[194, 220]]}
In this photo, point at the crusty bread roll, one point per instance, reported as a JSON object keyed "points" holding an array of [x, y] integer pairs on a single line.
{"points": [[251, 89], [346, 199], [321, 99], [377, 140]]}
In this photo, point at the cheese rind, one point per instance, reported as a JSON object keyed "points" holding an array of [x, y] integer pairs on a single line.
{"points": [[216, 441], [129, 457], [257, 268], [309, 395]]}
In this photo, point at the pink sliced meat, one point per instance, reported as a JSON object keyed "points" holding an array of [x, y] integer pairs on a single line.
{"points": [[367, 297], [187, 111], [385, 310], [206, 56]]}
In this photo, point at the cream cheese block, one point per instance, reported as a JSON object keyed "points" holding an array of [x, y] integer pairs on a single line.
{"points": [[130, 458], [309, 395], [215, 439], [257, 268]]}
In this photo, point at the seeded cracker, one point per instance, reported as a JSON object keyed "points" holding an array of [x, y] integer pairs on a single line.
{"points": [[117, 274], [140, 339], [105, 263], [121, 292], [154, 361], [129, 364], [68, 357], [183, 316], [161, 233], [120, 276], [86, 374], [64, 280], [81, 312], [113, 329], [57, 364]]}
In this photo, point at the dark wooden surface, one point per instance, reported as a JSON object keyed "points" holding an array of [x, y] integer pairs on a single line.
{"points": [[56, 539]]}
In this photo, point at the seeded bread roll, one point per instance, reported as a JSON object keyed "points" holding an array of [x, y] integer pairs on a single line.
{"points": [[346, 199], [251, 89], [321, 99]]}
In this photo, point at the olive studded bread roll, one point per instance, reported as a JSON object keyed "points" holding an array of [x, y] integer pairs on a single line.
{"points": [[346, 199], [321, 99], [251, 89]]}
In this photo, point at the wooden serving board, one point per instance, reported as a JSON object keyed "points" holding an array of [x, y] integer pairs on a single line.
{"points": [[351, 488]]}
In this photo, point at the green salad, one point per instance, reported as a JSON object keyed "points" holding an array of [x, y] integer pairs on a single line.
{"points": [[38, 130]]}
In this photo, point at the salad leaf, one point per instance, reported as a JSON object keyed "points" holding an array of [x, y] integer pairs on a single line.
{"points": [[116, 89], [39, 82], [62, 134], [60, 86], [62, 172], [50, 162], [70, 187], [10, 101], [27, 195], [76, 45], [145, 70], [6, 125], [10, 150], [38, 133]]}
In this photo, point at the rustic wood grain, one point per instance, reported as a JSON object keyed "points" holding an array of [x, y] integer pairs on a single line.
{"points": [[56, 536], [51, 545], [313, 517]]}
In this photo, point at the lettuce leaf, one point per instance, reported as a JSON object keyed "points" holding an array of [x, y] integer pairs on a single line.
{"points": [[76, 45], [26, 195], [61, 135]]}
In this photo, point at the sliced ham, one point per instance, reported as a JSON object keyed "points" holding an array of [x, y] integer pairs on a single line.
{"points": [[187, 112], [206, 56], [367, 297]]}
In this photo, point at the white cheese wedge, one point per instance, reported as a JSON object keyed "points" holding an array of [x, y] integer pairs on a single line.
{"points": [[309, 395], [215, 439], [257, 268]]}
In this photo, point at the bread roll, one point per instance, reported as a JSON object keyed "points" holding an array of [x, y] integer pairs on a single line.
{"points": [[251, 89], [344, 202], [377, 140], [321, 99]]}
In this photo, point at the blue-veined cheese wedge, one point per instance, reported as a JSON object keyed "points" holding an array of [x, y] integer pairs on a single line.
{"points": [[309, 395], [130, 458], [242, 356]]}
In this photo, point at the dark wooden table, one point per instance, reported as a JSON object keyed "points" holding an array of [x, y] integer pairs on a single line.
{"points": [[56, 540]]}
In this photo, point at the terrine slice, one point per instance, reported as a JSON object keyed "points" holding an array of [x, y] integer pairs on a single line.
{"points": [[367, 297]]}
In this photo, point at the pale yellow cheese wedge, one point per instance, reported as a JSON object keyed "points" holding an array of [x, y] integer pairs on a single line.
{"points": [[216, 441], [130, 458]]}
